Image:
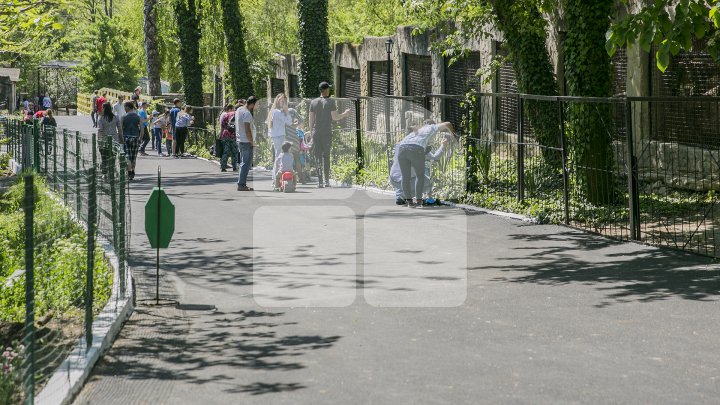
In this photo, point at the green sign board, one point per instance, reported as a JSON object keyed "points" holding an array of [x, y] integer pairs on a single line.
{"points": [[159, 219]]}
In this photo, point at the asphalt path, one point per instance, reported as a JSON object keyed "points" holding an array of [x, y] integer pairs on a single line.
{"points": [[337, 296]]}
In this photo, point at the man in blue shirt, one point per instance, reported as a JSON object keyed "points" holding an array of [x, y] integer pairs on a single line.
{"points": [[144, 135], [173, 115]]}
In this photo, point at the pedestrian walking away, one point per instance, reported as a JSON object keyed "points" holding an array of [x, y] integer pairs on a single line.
{"points": [[132, 127], [47, 103], [158, 122], [182, 124], [109, 131], [322, 114], [173, 118], [228, 138], [94, 113], [119, 108], [411, 157], [244, 131], [145, 135]]}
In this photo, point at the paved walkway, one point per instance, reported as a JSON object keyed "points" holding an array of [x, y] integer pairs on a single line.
{"points": [[336, 296]]}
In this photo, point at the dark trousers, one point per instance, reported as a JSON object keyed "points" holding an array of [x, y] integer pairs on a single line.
{"points": [[412, 157], [321, 150], [157, 139], [181, 134], [145, 136]]}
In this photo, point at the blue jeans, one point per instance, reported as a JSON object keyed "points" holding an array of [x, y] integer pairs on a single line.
{"points": [[246, 156], [157, 139]]}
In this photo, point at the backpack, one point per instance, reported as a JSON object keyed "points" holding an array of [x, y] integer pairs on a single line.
{"points": [[231, 124]]}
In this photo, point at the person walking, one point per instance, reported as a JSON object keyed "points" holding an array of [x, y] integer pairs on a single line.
{"points": [[47, 103], [322, 114], [119, 108], [136, 96], [167, 134], [228, 137], [99, 105], [132, 126], [94, 113], [245, 134], [182, 124], [145, 136], [411, 157], [278, 118], [158, 123], [173, 118], [109, 131]]}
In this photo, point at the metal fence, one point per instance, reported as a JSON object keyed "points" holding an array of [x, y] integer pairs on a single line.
{"points": [[73, 199]]}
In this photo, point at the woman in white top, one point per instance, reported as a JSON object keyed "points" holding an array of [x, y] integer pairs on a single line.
{"points": [[278, 118], [108, 125]]}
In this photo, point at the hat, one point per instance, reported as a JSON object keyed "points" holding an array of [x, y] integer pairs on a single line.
{"points": [[155, 112], [324, 85]]}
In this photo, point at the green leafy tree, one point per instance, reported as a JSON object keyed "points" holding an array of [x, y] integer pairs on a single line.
{"points": [[315, 63], [671, 25], [24, 24], [107, 62], [238, 67], [188, 33]]}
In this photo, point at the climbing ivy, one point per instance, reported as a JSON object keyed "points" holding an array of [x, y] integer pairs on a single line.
{"points": [[188, 32], [233, 25], [588, 73], [315, 62]]}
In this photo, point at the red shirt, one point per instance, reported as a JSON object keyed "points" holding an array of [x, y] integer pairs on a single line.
{"points": [[99, 103], [39, 114]]}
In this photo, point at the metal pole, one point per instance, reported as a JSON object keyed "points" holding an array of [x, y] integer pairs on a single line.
{"points": [[55, 178], [633, 192], [520, 151], [78, 201], [388, 140], [122, 249], [565, 168], [157, 248], [65, 167], [29, 377], [358, 136]]}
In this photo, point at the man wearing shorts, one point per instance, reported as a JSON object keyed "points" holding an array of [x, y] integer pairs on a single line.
{"points": [[132, 128], [322, 114]]}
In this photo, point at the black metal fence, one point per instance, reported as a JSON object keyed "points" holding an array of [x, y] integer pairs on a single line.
{"points": [[595, 164], [74, 201]]}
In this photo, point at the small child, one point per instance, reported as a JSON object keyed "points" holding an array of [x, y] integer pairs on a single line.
{"points": [[167, 132], [285, 162]]}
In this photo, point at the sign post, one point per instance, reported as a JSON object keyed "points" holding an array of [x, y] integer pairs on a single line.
{"points": [[159, 226]]}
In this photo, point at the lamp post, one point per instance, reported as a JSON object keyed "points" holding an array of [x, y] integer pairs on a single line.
{"points": [[388, 49]]}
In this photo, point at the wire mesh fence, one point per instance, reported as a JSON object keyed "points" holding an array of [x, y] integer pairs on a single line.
{"points": [[69, 206], [605, 165]]}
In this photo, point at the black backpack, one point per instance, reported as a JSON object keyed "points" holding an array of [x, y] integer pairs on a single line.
{"points": [[231, 124]]}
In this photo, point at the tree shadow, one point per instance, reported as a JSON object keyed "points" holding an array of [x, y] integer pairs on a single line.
{"points": [[635, 274]]}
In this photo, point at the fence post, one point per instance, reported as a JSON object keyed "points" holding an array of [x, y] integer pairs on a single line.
{"points": [[78, 200], [428, 108], [65, 167], [36, 145], [111, 159], [633, 192], [565, 168], [520, 151], [472, 143], [388, 139], [122, 253], [90, 271], [358, 137], [46, 145], [29, 340], [55, 178]]}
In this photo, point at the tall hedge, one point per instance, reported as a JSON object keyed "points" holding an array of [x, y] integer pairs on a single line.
{"points": [[240, 80], [315, 57], [188, 32], [588, 73]]}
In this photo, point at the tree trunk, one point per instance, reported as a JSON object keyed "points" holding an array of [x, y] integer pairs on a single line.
{"points": [[152, 54], [525, 37], [188, 32], [588, 72], [238, 67], [315, 57]]}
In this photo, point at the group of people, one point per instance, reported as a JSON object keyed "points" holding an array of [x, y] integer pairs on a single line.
{"points": [[130, 124], [42, 111]]}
